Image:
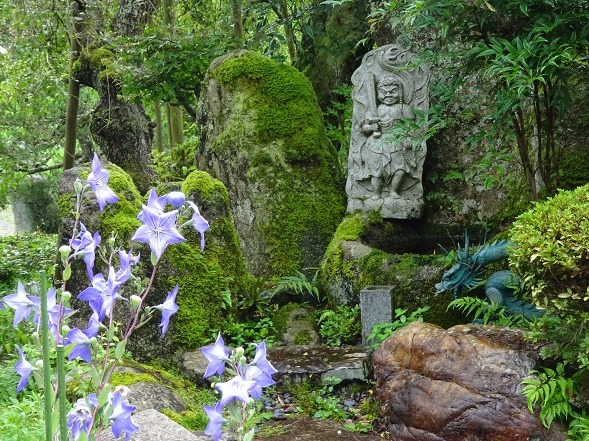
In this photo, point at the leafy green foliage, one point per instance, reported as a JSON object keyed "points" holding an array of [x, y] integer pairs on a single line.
{"points": [[381, 331], [579, 427], [552, 391], [176, 163], [340, 325], [298, 284], [9, 335], [23, 256], [22, 420], [568, 335], [552, 247], [250, 331], [485, 312]]}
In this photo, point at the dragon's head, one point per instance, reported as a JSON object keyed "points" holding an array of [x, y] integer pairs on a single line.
{"points": [[466, 273]]}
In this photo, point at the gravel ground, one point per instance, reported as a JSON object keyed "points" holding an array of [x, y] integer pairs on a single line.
{"points": [[6, 222]]}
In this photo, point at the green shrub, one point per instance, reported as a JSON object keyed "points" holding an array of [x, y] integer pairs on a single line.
{"points": [[552, 252], [381, 331], [22, 257], [340, 326]]}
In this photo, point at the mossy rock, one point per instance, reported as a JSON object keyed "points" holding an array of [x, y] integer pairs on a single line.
{"points": [[262, 135], [211, 281], [350, 264], [294, 325]]}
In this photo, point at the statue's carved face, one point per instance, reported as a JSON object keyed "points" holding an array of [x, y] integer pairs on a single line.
{"points": [[389, 93]]}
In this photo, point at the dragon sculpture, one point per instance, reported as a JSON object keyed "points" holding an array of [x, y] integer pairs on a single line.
{"points": [[468, 273]]}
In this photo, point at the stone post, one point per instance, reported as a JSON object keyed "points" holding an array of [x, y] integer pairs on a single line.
{"points": [[377, 305]]}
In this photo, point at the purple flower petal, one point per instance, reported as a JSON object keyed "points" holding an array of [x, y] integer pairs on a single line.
{"points": [[168, 308], [215, 415], [217, 355], [235, 389], [175, 198], [82, 348], [261, 361], [159, 230], [121, 417], [199, 223], [21, 304], [98, 180], [22, 368]]}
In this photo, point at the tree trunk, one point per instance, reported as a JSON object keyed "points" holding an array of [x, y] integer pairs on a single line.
{"points": [[73, 99], [174, 114], [159, 133], [122, 129]]}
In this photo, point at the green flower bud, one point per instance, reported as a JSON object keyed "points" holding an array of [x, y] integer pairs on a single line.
{"points": [[239, 352], [242, 360], [66, 296], [78, 186], [65, 329], [64, 251], [39, 364], [135, 301]]}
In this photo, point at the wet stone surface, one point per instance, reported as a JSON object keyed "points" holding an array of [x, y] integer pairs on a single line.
{"points": [[296, 364]]}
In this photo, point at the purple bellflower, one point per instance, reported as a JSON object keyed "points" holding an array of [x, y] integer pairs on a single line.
{"points": [[158, 229], [82, 347], [261, 379], [217, 355], [199, 223], [127, 261], [235, 389], [215, 415], [121, 417], [260, 360], [168, 308], [79, 419], [84, 244], [98, 180], [22, 368], [102, 294], [56, 312], [175, 198], [21, 304]]}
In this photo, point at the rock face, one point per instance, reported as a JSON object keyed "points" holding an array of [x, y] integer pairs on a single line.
{"points": [[457, 384], [262, 136]]}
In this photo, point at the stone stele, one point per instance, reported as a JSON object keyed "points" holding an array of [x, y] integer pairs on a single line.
{"points": [[387, 146]]}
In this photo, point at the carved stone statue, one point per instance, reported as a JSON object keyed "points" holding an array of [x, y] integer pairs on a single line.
{"points": [[386, 156]]}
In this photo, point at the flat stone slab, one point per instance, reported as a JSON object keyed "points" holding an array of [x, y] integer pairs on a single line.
{"points": [[296, 364], [154, 425], [310, 429]]}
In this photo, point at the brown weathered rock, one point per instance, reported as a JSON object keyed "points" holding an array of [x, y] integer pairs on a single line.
{"points": [[456, 384]]}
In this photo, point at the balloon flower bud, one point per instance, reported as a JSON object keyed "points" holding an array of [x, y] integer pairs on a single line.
{"points": [[135, 301], [66, 296], [64, 251]]}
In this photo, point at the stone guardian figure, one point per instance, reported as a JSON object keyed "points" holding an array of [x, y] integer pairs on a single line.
{"points": [[387, 150]]}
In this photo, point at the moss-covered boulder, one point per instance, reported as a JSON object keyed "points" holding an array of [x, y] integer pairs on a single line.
{"points": [[353, 261], [262, 136], [209, 281]]}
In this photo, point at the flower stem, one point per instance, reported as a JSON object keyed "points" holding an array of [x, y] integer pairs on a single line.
{"points": [[48, 396], [61, 393]]}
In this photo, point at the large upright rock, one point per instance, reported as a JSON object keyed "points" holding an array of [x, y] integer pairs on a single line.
{"points": [[262, 136], [457, 384]]}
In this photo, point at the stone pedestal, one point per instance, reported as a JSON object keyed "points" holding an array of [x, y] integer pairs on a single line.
{"points": [[377, 305]]}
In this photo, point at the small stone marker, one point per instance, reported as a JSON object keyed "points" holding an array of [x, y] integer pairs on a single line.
{"points": [[377, 305]]}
